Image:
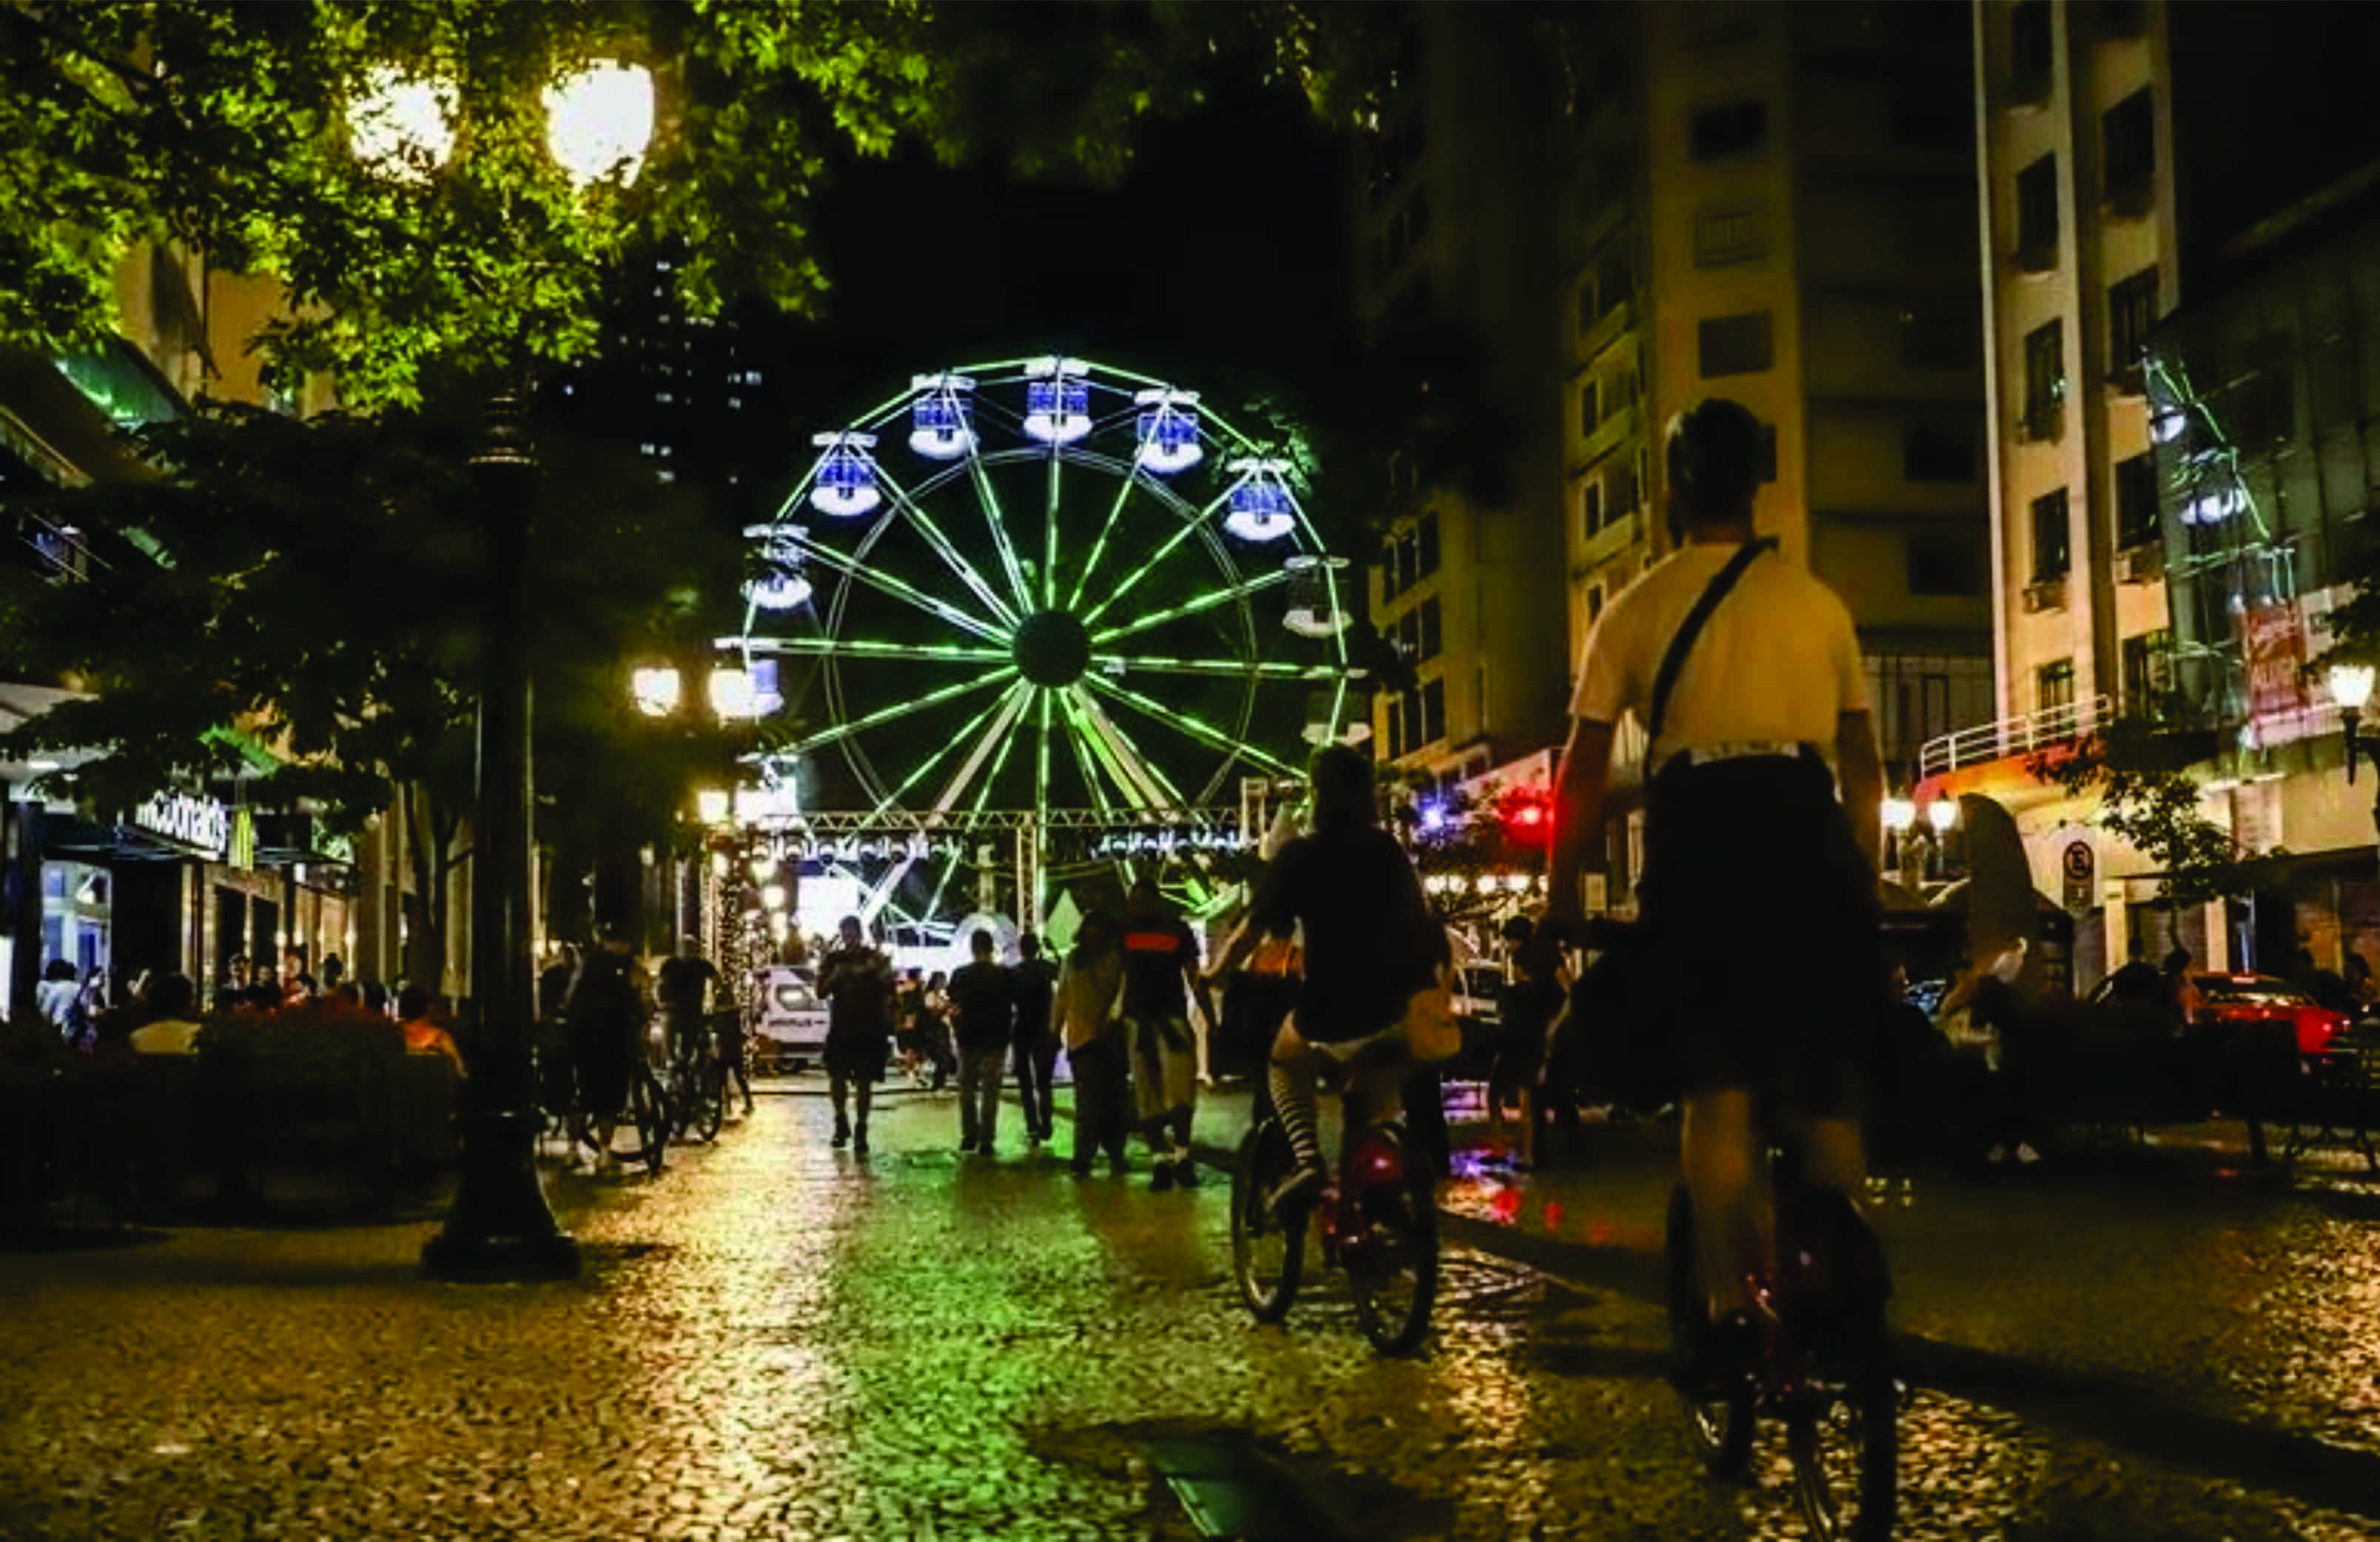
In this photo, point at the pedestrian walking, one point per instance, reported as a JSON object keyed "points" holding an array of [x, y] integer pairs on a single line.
{"points": [[857, 980], [1090, 990], [605, 1014], [1160, 976], [935, 1029], [1034, 981], [984, 1005]]}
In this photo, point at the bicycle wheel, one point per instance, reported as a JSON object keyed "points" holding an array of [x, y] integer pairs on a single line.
{"points": [[709, 1106], [1721, 1425], [1393, 1264], [649, 1111], [1267, 1251], [1844, 1437]]}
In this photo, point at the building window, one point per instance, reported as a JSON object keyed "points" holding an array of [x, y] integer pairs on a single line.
{"points": [[1932, 451], [1917, 121], [1426, 543], [2030, 53], [2036, 215], [1942, 564], [1736, 345], [2044, 381], [1590, 509], [1587, 313], [1937, 335], [1728, 129], [2148, 673], [1594, 604], [1615, 280], [2128, 134], [1433, 712], [1735, 233], [1420, 632], [2136, 501], [2051, 553], [2120, 18], [1590, 407], [2053, 686], [2131, 311]]}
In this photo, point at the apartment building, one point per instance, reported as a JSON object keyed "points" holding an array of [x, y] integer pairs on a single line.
{"points": [[1453, 236], [2143, 167]]}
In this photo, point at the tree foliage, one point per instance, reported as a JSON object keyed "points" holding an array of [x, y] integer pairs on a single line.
{"points": [[2138, 771], [320, 586], [225, 126]]}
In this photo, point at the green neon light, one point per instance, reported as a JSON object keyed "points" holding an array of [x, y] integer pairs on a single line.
{"points": [[1194, 727], [1000, 762], [1049, 537], [901, 590], [1077, 737], [955, 559], [1224, 667], [1100, 542], [1139, 788], [902, 709], [1041, 797], [857, 648], [1007, 549], [1205, 602], [925, 766], [1190, 526]]}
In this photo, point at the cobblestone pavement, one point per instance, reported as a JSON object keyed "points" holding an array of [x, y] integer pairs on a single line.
{"points": [[775, 1339]]}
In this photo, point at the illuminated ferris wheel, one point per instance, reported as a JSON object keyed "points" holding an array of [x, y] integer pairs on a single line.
{"points": [[1048, 586]]}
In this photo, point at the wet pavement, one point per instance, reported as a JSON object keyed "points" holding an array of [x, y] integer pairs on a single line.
{"points": [[777, 1340]]}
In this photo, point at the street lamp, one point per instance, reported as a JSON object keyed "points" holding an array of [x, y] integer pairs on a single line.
{"points": [[1899, 818], [599, 121]]}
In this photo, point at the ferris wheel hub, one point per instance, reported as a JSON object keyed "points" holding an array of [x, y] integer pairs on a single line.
{"points": [[1052, 648]]}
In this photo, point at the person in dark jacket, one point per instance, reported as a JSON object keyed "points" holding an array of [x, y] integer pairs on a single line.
{"points": [[1034, 982], [983, 1006]]}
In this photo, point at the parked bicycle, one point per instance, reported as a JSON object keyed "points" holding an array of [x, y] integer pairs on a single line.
{"points": [[1377, 1220], [1824, 1366]]}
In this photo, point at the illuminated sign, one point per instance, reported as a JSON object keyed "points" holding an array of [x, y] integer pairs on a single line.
{"points": [[200, 824]]}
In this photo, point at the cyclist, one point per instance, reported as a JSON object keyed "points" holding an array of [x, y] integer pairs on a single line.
{"points": [[1757, 902], [1370, 947]]}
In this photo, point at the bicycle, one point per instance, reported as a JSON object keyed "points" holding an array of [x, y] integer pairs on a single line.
{"points": [[648, 1110], [698, 1086], [1824, 1366], [1381, 1228]]}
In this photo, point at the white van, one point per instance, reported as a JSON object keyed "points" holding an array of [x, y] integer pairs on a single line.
{"points": [[790, 1032]]}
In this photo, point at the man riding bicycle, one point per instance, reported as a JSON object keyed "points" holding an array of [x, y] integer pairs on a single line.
{"points": [[1371, 945], [1758, 901]]}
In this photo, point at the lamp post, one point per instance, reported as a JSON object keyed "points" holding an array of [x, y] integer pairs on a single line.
{"points": [[1942, 818], [599, 121], [1899, 818], [2350, 687]]}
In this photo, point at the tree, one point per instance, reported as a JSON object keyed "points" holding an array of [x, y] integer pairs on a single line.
{"points": [[226, 126], [316, 587], [2138, 769]]}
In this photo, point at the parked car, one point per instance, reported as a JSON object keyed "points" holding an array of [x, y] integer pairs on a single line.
{"points": [[790, 1031], [2239, 999]]}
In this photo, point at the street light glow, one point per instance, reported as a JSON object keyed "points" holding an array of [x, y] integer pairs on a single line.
{"points": [[599, 121], [772, 896], [733, 694], [2351, 686], [1900, 816], [402, 128], [1943, 814], [657, 692], [710, 806]]}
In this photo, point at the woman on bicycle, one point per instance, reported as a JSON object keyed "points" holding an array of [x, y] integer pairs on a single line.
{"points": [[1371, 945]]}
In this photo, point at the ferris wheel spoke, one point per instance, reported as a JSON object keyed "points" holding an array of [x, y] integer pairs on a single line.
{"points": [[968, 574], [1007, 743], [1190, 526], [989, 500], [1100, 542], [1207, 601], [1050, 539], [886, 583], [899, 710], [1197, 729], [1123, 763], [1078, 741], [1001, 717], [852, 647], [1231, 669], [1041, 702], [959, 740]]}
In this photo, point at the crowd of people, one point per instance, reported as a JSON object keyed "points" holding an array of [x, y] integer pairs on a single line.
{"points": [[159, 1013], [1118, 1005]]}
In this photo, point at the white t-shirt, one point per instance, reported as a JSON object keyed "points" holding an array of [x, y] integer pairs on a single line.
{"points": [[1777, 662]]}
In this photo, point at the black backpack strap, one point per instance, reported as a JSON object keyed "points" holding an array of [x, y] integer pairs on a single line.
{"points": [[1666, 680]]}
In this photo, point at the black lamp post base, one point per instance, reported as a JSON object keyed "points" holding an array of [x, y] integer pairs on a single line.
{"points": [[501, 1227]]}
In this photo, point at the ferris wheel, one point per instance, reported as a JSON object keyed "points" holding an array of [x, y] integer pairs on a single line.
{"points": [[1046, 587]]}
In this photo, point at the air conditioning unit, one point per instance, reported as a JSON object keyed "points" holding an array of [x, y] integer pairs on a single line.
{"points": [[2140, 564], [2045, 594]]}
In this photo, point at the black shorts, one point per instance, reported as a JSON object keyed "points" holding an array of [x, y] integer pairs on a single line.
{"points": [[603, 1069], [1763, 946]]}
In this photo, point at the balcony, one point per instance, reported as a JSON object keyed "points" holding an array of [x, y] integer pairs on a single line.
{"points": [[1609, 328], [2045, 594], [1614, 431], [2034, 731], [2043, 423], [2037, 256]]}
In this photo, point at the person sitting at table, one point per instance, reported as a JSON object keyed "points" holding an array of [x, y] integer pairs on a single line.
{"points": [[423, 1035], [171, 1030]]}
